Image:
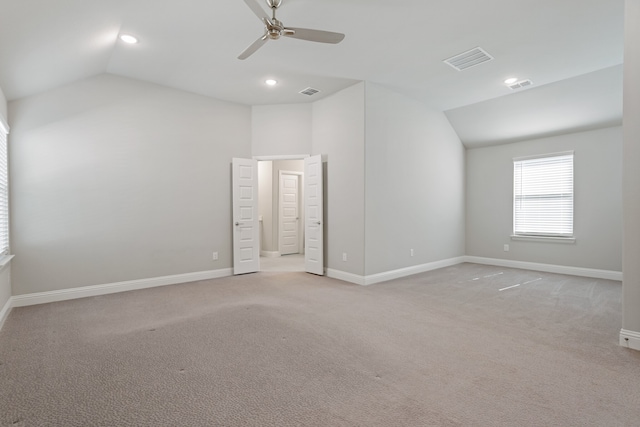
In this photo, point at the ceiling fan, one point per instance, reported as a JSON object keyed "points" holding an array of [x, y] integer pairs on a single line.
{"points": [[274, 29]]}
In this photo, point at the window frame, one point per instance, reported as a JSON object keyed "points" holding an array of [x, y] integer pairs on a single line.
{"points": [[5, 249], [549, 235]]}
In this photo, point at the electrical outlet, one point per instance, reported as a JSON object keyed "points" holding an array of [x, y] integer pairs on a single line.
{"points": [[506, 248], [344, 256], [411, 252], [215, 256]]}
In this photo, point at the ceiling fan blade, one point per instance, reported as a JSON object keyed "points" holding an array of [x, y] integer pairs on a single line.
{"points": [[313, 35], [258, 10], [253, 47]]}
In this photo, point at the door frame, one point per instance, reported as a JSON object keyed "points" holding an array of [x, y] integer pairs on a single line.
{"points": [[291, 157]]}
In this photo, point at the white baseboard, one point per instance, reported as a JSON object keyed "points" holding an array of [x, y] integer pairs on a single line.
{"points": [[344, 276], [630, 339], [549, 268], [393, 274], [270, 254], [4, 313], [111, 288], [409, 271]]}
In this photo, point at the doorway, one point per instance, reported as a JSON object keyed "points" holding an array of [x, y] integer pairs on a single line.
{"points": [[281, 192], [251, 228]]}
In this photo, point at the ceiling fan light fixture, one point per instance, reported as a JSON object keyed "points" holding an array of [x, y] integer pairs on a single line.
{"points": [[128, 38]]}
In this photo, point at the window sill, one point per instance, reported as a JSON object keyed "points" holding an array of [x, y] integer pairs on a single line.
{"points": [[553, 239], [5, 260]]}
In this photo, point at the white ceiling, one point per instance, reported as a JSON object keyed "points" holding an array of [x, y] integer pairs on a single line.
{"points": [[193, 45], [586, 102]]}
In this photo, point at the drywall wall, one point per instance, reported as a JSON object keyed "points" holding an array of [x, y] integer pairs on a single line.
{"points": [[631, 183], [338, 134], [3, 106], [265, 206], [414, 184], [5, 273], [597, 201], [115, 179], [5, 289], [281, 129]]}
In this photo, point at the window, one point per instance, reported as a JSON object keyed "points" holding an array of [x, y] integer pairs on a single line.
{"points": [[543, 196], [4, 191]]}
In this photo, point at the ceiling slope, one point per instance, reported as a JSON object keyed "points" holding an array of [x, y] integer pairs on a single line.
{"points": [[589, 101], [193, 45]]}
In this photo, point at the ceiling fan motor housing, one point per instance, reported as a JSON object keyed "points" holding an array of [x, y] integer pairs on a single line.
{"points": [[275, 29]]}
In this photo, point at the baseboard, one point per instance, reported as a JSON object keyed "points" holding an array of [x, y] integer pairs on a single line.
{"points": [[4, 313], [270, 254], [111, 288], [393, 274], [630, 339], [409, 271], [549, 268], [344, 276]]}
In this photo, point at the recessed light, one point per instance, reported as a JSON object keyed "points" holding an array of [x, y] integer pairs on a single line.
{"points": [[271, 82], [127, 38], [511, 81]]}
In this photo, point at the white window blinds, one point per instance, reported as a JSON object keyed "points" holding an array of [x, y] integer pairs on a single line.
{"points": [[543, 196], [4, 193]]}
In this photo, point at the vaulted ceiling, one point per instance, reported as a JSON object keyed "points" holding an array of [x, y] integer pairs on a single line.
{"points": [[572, 51]]}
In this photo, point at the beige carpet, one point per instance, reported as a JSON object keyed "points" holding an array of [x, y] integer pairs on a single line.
{"points": [[445, 348]]}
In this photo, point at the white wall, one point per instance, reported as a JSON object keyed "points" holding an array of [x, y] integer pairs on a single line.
{"points": [[414, 184], [631, 191], [265, 205], [5, 274], [597, 201], [281, 129], [289, 166], [277, 130], [115, 179], [3, 106], [338, 134]]}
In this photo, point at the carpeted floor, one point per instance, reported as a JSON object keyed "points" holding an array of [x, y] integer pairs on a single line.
{"points": [[444, 348]]}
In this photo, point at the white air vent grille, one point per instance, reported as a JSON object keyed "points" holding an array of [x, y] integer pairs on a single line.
{"points": [[468, 59], [521, 83], [309, 91]]}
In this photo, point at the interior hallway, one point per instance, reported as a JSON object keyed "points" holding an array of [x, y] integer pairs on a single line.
{"points": [[294, 262]]}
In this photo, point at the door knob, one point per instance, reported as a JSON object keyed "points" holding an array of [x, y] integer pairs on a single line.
{"points": [[318, 223]]}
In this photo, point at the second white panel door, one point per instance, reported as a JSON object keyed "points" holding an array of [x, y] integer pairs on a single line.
{"points": [[289, 213]]}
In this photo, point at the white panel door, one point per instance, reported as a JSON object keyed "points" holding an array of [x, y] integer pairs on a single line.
{"points": [[289, 214], [246, 230], [313, 216]]}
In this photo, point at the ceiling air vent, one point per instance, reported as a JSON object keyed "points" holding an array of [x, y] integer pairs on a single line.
{"points": [[521, 83], [309, 91], [468, 59]]}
